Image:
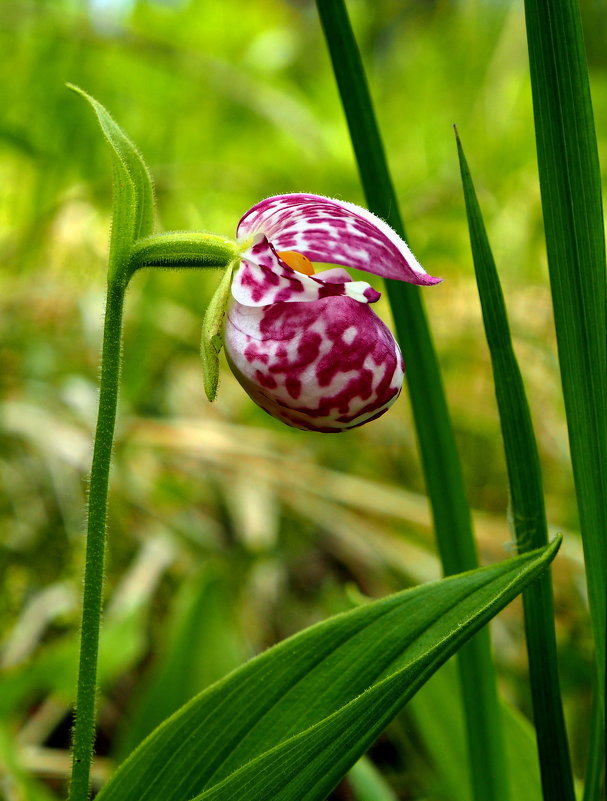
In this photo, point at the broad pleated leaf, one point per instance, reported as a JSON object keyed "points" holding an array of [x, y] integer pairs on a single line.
{"points": [[290, 723], [133, 206]]}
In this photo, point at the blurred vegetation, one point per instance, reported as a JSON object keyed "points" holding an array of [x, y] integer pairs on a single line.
{"points": [[229, 531]]}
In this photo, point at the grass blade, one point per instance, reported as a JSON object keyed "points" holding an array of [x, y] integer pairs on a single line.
{"points": [[575, 241], [439, 719], [368, 783], [527, 506], [437, 445], [595, 767]]}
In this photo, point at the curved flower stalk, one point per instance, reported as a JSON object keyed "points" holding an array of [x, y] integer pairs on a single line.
{"points": [[306, 346]]}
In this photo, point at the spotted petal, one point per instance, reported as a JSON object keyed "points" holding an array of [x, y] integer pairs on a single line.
{"points": [[335, 232], [324, 366], [264, 278]]}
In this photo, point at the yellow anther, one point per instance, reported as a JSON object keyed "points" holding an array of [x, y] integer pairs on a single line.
{"points": [[297, 261]]}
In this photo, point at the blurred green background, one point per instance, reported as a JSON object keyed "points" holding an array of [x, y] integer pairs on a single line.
{"points": [[229, 531]]}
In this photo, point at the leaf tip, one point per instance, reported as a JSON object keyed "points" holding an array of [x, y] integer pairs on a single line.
{"points": [[556, 543], [74, 88], [80, 91], [210, 391]]}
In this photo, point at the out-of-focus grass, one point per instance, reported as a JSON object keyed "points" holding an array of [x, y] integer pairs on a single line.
{"points": [[231, 102]]}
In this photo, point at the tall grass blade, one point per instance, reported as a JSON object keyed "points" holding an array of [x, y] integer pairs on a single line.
{"points": [[527, 506], [595, 765], [438, 716], [575, 240], [437, 445], [368, 783]]}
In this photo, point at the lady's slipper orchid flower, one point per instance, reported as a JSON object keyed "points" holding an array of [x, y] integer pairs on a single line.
{"points": [[306, 346]]}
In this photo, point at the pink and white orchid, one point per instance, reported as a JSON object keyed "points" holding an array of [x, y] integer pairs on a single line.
{"points": [[306, 346]]}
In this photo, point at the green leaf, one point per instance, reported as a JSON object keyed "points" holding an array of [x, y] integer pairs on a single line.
{"points": [[211, 341], [133, 207], [526, 504], [595, 768], [291, 722], [52, 669], [570, 184], [204, 644], [17, 780], [442, 469], [438, 716], [368, 783]]}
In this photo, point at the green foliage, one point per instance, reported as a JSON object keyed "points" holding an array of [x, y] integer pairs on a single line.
{"points": [[526, 506], [203, 644], [438, 715], [442, 469], [368, 783], [302, 713], [133, 206], [54, 670], [230, 103], [130, 248], [570, 183], [21, 779]]}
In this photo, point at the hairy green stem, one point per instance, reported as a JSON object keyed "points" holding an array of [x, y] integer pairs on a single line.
{"points": [[181, 249], [86, 695]]}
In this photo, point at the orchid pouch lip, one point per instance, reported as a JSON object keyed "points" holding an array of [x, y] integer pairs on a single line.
{"points": [[306, 346]]}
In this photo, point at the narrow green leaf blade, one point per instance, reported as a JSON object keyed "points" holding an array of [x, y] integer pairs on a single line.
{"points": [[438, 716], [595, 769], [133, 207], [442, 470], [15, 777], [368, 783], [203, 645], [570, 186], [298, 716], [527, 506]]}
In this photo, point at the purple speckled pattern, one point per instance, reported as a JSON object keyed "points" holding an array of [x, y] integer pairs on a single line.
{"points": [[324, 366], [309, 349], [264, 278], [335, 232]]}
